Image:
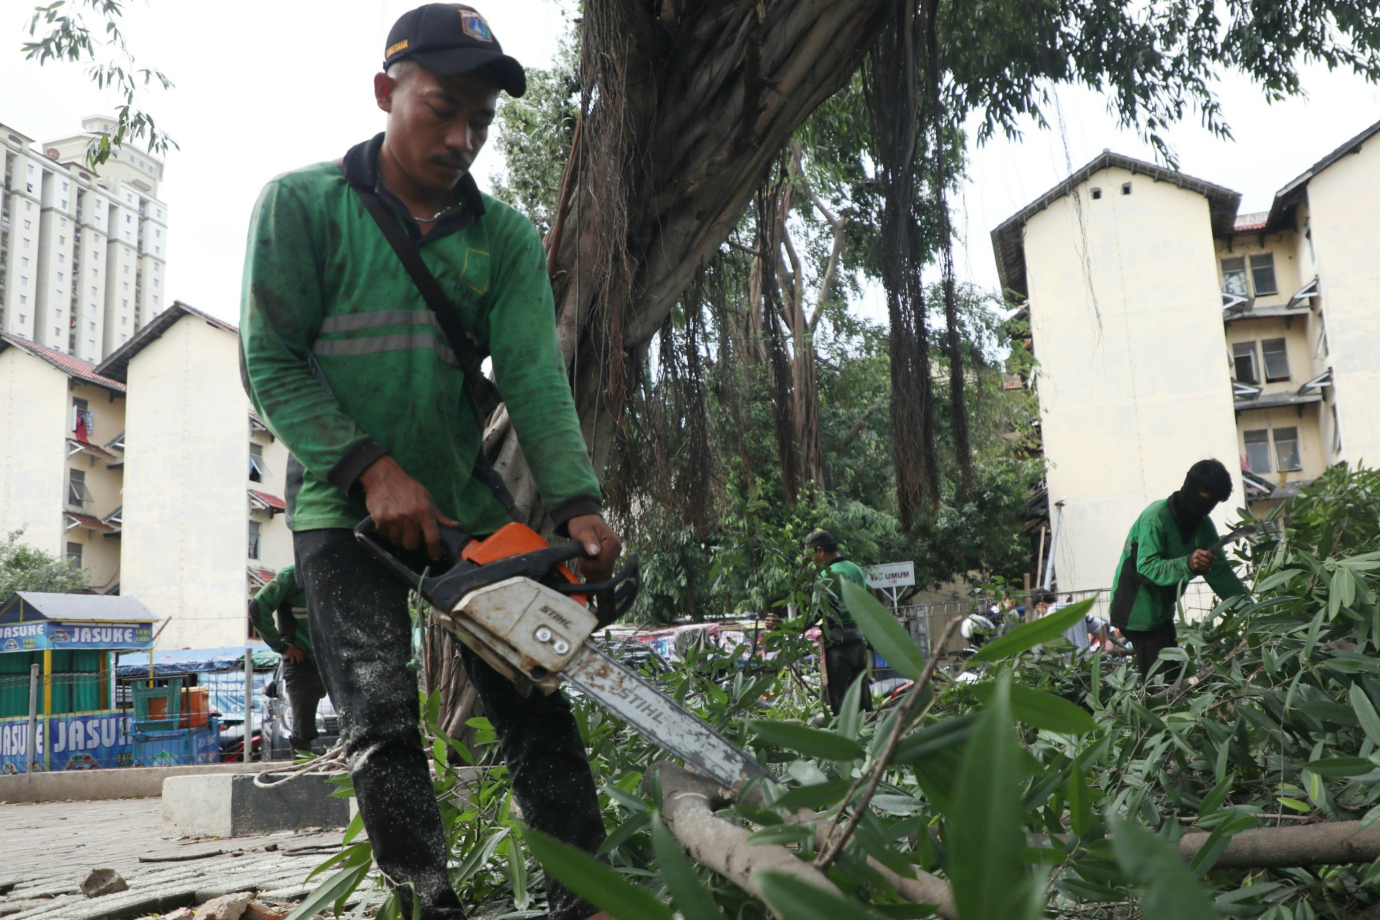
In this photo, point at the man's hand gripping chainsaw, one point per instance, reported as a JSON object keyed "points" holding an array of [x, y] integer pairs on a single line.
{"points": [[513, 602]]}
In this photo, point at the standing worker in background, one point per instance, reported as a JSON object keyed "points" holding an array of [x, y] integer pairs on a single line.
{"points": [[279, 613], [373, 286], [1168, 546], [845, 649]]}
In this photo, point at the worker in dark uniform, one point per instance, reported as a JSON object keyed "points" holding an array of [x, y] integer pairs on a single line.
{"points": [[845, 650], [279, 613], [357, 274], [1168, 546]]}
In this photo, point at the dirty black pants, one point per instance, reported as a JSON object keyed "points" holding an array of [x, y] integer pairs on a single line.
{"points": [[1148, 643], [304, 691], [844, 661], [362, 637]]}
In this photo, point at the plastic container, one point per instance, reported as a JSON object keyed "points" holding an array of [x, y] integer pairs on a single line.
{"points": [[196, 707]]}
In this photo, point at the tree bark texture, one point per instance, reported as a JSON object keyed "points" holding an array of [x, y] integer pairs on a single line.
{"points": [[684, 110], [1330, 844], [443, 669]]}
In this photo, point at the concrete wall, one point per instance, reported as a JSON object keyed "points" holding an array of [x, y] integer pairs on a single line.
{"points": [[1342, 202], [187, 453], [1132, 383], [35, 413]]}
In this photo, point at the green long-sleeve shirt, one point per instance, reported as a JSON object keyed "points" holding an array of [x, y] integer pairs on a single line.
{"points": [[280, 613], [1153, 570], [344, 361], [832, 579]]}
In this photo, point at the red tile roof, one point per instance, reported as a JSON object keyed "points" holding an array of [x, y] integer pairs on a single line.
{"points": [[74, 445], [86, 520], [272, 501], [73, 367], [263, 576]]}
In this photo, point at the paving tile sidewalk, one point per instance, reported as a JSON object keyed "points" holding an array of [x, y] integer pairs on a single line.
{"points": [[47, 848]]}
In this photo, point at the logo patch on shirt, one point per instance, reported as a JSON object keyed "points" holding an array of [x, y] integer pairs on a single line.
{"points": [[475, 26]]}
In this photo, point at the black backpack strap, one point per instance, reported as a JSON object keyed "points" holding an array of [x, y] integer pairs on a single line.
{"points": [[482, 393]]}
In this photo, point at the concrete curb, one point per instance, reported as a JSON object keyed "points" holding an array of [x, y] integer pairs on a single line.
{"points": [[116, 783]]}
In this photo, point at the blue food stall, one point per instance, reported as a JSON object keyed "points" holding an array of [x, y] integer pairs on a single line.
{"points": [[69, 708]]}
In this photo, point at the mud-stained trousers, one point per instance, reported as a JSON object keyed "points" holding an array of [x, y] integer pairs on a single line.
{"points": [[362, 636]]}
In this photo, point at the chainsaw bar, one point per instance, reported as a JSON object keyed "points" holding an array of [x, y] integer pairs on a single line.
{"points": [[656, 716]]}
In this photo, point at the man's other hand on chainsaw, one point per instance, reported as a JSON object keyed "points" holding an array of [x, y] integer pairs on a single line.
{"points": [[402, 508], [601, 544]]}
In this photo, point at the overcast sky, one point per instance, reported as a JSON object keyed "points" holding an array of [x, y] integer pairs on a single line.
{"points": [[265, 87]]}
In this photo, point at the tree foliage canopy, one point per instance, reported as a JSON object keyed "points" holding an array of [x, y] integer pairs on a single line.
{"points": [[24, 568]]}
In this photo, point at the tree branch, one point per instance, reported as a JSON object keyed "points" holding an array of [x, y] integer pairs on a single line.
{"points": [[902, 725], [858, 425]]}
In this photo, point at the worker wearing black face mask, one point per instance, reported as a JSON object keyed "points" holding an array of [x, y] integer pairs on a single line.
{"points": [[1167, 547]]}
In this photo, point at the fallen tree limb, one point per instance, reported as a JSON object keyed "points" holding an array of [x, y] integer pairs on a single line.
{"points": [[1334, 843], [687, 805]]}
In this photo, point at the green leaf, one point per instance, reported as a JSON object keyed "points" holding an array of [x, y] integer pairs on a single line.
{"points": [[1033, 634], [851, 715], [1217, 843], [628, 829], [688, 894], [798, 900], [517, 872], [987, 831], [1042, 710], [1218, 795], [333, 889], [592, 880], [783, 834], [1338, 767], [935, 738], [812, 742], [1080, 802], [1365, 713], [815, 796], [477, 857], [888, 637], [1170, 888], [354, 829]]}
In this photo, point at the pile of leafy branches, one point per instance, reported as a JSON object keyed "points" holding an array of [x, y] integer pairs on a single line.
{"points": [[1036, 783]]}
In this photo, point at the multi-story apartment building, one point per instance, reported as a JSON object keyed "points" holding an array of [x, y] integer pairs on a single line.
{"points": [[82, 254], [204, 526], [1169, 328], [62, 457]]}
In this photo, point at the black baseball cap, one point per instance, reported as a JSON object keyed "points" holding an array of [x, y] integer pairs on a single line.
{"points": [[451, 39]]}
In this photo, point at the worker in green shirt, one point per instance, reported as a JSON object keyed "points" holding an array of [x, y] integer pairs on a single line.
{"points": [[356, 274], [845, 650], [279, 613], [1168, 546]]}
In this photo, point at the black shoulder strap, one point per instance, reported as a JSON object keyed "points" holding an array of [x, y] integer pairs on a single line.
{"points": [[481, 391]]}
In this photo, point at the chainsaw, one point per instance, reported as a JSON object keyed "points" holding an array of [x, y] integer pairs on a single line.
{"points": [[511, 599]]}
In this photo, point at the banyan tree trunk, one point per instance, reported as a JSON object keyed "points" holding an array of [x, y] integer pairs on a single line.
{"points": [[685, 106]]}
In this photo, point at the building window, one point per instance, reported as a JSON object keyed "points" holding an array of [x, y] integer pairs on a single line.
{"points": [[1244, 360], [1234, 277], [74, 555], [82, 416], [77, 493], [254, 539], [1321, 351], [1263, 274], [1258, 451], [257, 470], [93, 327], [26, 225], [1287, 449], [1336, 426], [1276, 360]]}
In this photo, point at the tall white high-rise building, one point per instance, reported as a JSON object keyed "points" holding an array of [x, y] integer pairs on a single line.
{"points": [[83, 254]]}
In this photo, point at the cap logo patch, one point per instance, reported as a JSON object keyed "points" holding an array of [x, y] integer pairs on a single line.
{"points": [[475, 26], [395, 48]]}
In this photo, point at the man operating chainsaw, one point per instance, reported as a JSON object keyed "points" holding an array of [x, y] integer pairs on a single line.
{"points": [[374, 285]]}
